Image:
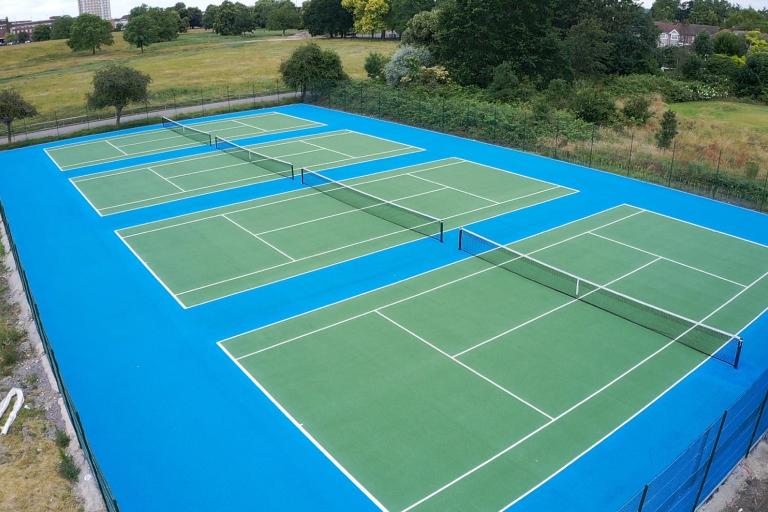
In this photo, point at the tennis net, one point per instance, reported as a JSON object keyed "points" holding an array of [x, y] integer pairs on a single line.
{"points": [[708, 340], [400, 215], [190, 133], [274, 165]]}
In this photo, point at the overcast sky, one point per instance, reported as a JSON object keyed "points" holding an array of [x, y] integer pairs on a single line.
{"points": [[42, 9]]}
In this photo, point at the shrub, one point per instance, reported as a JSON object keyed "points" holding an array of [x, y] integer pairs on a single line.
{"points": [[506, 86], [593, 106], [667, 131], [637, 110], [67, 467], [374, 65], [10, 341], [691, 68], [751, 170], [723, 66], [729, 43], [558, 93], [61, 439], [406, 62]]}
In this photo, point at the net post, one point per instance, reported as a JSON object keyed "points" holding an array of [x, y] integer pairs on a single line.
{"points": [[461, 239], [442, 231], [643, 497], [761, 410], [737, 359], [293, 172], [709, 462], [303, 170]]}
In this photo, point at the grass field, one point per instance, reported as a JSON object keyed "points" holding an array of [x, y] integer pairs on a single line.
{"points": [[196, 60], [727, 114]]}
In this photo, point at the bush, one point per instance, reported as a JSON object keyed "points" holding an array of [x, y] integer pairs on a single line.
{"points": [[558, 93], [751, 170], [67, 467], [729, 43], [691, 68], [720, 65], [61, 439], [667, 131], [506, 86], [637, 110], [374, 65], [10, 341], [752, 78], [406, 62], [593, 106]]}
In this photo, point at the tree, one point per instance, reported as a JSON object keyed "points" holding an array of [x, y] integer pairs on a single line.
{"points": [[140, 31], [665, 10], [326, 17], [692, 67], [119, 27], [667, 130], [195, 17], [261, 12], [637, 111], [632, 36], [309, 66], [723, 66], [369, 15], [13, 107], [117, 86], [506, 86], [588, 49], [209, 16], [233, 19], [374, 65], [22, 37], [752, 79], [61, 27], [728, 43], [756, 42], [89, 32], [421, 30], [183, 12], [283, 16], [401, 12], [41, 33], [703, 46]]}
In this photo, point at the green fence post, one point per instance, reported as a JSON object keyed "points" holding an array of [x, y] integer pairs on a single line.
{"points": [[717, 173], [672, 164], [765, 191], [760, 412], [56, 120], [643, 497], [709, 462], [592, 146], [631, 145]]}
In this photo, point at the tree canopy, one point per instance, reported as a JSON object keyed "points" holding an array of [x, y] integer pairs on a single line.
{"points": [[233, 19], [117, 86], [41, 33], [326, 17], [89, 32], [309, 67], [13, 107], [369, 15], [283, 16], [140, 31], [61, 27]]}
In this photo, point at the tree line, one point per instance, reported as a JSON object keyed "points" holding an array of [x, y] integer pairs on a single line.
{"points": [[711, 12]]}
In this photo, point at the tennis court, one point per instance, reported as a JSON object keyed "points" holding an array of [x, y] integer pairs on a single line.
{"points": [[212, 254], [110, 149], [231, 166], [470, 385]]}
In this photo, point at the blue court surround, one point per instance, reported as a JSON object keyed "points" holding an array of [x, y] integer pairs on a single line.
{"points": [[176, 426]]}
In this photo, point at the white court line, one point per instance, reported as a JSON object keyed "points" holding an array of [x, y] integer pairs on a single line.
{"points": [[262, 130], [573, 408], [137, 154], [657, 398], [454, 188], [257, 237], [117, 148], [377, 177], [329, 149], [667, 259], [553, 310], [463, 365], [306, 433], [152, 272], [165, 179], [249, 274]]}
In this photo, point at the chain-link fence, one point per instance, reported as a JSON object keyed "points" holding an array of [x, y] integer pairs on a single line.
{"points": [[738, 175], [109, 499], [201, 101]]}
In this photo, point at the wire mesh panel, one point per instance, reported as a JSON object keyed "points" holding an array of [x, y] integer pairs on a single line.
{"points": [[274, 165], [188, 132], [387, 210], [696, 335]]}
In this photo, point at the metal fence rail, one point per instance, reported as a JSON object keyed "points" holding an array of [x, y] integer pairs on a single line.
{"points": [[106, 492]]}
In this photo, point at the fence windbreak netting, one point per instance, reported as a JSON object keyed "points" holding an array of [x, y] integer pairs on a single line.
{"points": [[273, 165], [708, 340], [400, 215], [186, 131]]}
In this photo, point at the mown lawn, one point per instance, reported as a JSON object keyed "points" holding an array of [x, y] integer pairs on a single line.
{"points": [[726, 113], [54, 78]]}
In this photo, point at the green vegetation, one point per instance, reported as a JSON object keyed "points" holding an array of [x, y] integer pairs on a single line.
{"points": [[67, 467], [13, 107], [725, 115], [117, 86], [197, 64], [89, 32], [309, 67]]}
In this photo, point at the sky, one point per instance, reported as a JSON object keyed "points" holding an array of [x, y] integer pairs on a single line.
{"points": [[42, 9]]}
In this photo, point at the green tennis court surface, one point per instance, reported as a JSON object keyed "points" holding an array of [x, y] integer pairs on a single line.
{"points": [[161, 182], [100, 151], [212, 254], [466, 387]]}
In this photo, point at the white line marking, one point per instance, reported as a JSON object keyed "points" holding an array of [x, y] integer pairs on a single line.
{"points": [[304, 431], [117, 148], [165, 179], [454, 188], [260, 239], [329, 149], [463, 365], [667, 259]]}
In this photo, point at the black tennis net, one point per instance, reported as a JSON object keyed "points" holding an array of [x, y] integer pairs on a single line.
{"points": [[400, 215], [188, 132], [708, 340], [268, 163]]}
